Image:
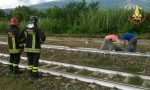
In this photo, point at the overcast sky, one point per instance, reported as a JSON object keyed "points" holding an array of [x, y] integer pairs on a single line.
{"points": [[13, 3]]}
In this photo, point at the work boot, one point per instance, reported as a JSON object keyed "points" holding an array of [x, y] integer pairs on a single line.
{"points": [[16, 70], [10, 68]]}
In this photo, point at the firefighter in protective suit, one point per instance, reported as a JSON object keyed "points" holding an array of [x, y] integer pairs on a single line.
{"points": [[14, 45], [33, 37]]}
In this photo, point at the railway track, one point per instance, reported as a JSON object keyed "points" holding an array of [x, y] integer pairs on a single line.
{"points": [[92, 50], [46, 69], [105, 71]]}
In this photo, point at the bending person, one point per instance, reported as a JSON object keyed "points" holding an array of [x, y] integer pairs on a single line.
{"points": [[130, 42], [110, 43]]}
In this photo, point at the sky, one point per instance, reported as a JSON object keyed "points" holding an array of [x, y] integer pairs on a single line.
{"points": [[14, 3]]}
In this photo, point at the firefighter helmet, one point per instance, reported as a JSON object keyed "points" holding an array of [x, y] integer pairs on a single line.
{"points": [[14, 21], [34, 19]]}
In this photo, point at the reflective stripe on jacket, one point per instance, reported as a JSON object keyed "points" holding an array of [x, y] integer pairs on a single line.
{"points": [[33, 38], [13, 40]]}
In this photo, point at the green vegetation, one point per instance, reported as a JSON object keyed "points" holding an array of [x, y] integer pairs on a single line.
{"points": [[78, 19], [98, 75], [85, 72], [71, 69], [135, 80], [47, 82], [117, 78], [132, 68]]}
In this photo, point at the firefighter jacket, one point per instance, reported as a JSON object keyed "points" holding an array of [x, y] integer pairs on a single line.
{"points": [[32, 38], [13, 40]]}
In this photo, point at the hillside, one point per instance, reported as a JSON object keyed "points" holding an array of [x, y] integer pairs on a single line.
{"points": [[103, 3]]}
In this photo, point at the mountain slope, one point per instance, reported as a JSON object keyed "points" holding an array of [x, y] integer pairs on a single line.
{"points": [[145, 4], [104, 3]]}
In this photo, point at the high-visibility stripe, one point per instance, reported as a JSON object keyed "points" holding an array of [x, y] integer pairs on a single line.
{"points": [[34, 70], [29, 67], [33, 40], [14, 50], [35, 67], [10, 63], [14, 42], [32, 50], [15, 64]]}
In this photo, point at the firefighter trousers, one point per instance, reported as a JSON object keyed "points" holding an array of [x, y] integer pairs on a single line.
{"points": [[33, 61], [14, 61]]}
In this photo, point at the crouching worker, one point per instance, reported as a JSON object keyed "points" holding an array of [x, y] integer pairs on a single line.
{"points": [[130, 42], [14, 46], [33, 37], [110, 43]]}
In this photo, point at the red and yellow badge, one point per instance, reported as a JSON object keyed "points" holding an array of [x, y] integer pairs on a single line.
{"points": [[137, 17]]}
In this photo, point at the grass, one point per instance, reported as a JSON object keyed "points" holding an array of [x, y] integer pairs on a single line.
{"points": [[24, 82], [98, 75], [144, 36], [117, 78], [15, 82], [85, 72], [133, 69], [135, 80], [143, 48], [71, 69]]}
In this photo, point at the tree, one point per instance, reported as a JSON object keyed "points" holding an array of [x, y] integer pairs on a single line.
{"points": [[94, 5], [21, 13], [2, 14]]}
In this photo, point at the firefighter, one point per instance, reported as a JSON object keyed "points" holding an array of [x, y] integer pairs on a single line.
{"points": [[14, 45], [110, 43], [33, 37], [130, 42]]}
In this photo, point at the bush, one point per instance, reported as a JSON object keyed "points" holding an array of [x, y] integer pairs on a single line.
{"points": [[135, 80]]}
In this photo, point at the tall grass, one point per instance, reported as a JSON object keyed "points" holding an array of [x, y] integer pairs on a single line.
{"points": [[3, 26], [91, 22]]}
